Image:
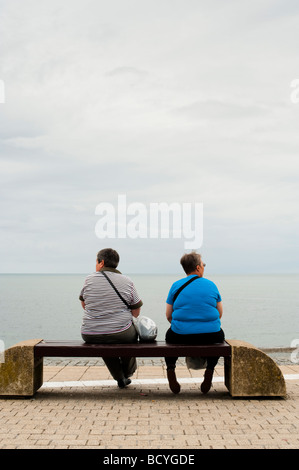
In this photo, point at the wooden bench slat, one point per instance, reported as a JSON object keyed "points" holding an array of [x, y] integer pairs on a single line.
{"points": [[156, 349]]}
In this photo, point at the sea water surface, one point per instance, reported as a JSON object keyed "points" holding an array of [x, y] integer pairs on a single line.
{"points": [[260, 309]]}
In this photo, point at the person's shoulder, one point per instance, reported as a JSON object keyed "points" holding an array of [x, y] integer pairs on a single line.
{"points": [[177, 284], [92, 276], [208, 282], [121, 277]]}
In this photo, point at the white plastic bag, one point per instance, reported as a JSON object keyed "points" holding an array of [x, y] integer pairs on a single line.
{"points": [[196, 363], [146, 328]]}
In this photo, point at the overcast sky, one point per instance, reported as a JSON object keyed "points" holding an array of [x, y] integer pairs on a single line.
{"points": [[183, 101]]}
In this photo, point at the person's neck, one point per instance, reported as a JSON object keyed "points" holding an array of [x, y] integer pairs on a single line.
{"points": [[106, 268], [194, 273]]}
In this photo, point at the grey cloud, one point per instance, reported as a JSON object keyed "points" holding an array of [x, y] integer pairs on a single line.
{"points": [[126, 70], [213, 109], [156, 100]]}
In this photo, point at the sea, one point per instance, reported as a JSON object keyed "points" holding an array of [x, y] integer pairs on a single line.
{"points": [[260, 309]]}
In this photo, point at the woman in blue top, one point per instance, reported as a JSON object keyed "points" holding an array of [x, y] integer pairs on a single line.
{"points": [[194, 314]]}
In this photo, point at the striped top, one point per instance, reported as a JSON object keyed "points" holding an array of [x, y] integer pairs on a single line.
{"points": [[104, 311]]}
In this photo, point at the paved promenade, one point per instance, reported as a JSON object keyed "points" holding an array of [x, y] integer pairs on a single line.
{"points": [[80, 407]]}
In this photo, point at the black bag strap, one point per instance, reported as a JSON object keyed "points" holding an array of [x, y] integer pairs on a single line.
{"points": [[183, 287], [126, 303]]}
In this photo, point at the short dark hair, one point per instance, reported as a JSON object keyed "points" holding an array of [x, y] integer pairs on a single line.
{"points": [[189, 261], [109, 256]]}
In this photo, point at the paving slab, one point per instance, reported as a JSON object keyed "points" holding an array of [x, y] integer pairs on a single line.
{"points": [[80, 407]]}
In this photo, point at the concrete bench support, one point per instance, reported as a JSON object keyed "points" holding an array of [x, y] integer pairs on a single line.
{"points": [[249, 372], [21, 374]]}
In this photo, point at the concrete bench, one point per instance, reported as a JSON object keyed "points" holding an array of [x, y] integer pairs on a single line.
{"points": [[248, 371]]}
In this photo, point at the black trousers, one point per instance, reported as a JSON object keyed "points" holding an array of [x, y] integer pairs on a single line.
{"points": [[200, 338], [119, 367]]}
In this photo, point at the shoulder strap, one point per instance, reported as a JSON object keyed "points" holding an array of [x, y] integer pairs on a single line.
{"points": [[104, 274], [183, 287]]}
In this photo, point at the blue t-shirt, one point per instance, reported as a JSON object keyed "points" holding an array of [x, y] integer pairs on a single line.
{"points": [[194, 310]]}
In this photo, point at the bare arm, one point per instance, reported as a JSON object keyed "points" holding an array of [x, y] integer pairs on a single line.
{"points": [[220, 308], [169, 311], [136, 312]]}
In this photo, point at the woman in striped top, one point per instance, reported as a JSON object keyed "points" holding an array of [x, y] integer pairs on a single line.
{"points": [[108, 313]]}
